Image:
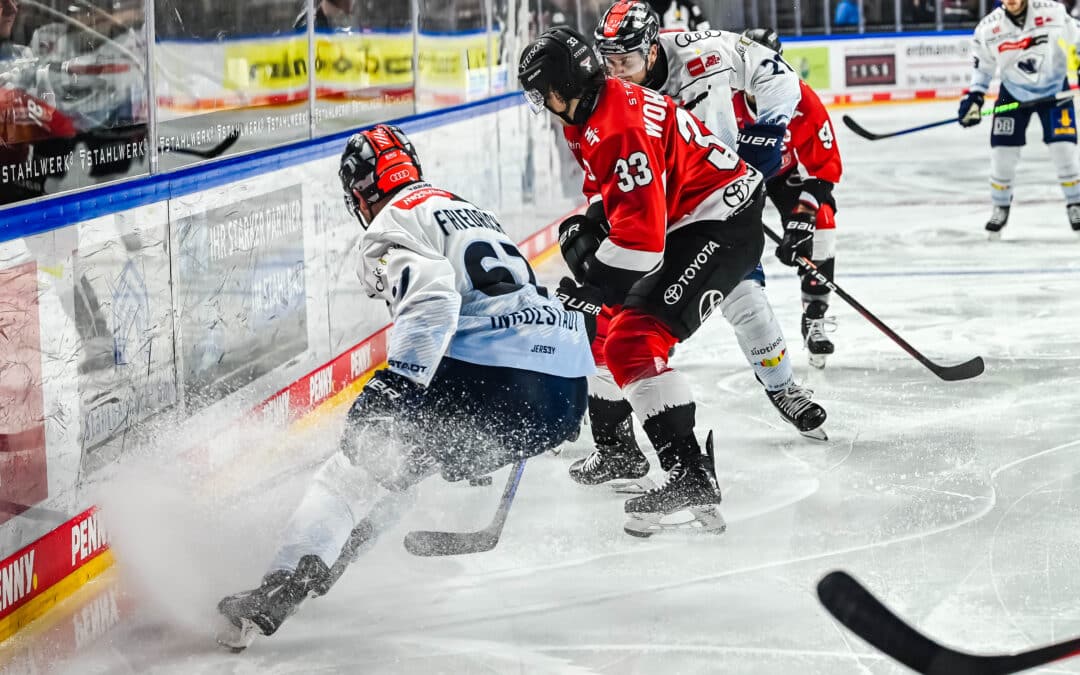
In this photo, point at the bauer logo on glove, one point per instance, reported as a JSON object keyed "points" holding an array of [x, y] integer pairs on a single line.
{"points": [[798, 240]]}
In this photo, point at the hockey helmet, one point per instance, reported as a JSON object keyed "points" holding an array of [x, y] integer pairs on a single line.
{"points": [[376, 163], [624, 35], [765, 36], [560, 61]]}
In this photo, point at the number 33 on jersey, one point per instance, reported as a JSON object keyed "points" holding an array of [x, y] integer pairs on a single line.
{"points": [[659, 168]]}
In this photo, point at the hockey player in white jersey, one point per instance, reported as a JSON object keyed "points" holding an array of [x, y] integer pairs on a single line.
{"points": [[483, 369], [700, 70], [1025, 43]]}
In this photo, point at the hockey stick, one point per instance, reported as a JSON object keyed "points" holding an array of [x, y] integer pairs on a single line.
{"points": [[210, 153], [1005, 107], [432, 543], [863, 614], [962, 371]]}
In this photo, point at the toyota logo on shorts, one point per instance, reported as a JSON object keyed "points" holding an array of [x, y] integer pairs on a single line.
{"points": [[736, 193], [673, 294]]}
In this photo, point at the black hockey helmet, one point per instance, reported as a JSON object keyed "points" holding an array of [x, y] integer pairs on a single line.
{"points": [[377, 163], [627, 26], [561, 61], [765, 36]]}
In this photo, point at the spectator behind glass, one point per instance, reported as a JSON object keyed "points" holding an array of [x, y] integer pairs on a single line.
{"points": [[922, 11], [328, 14], [683, 14], [847, 13]]}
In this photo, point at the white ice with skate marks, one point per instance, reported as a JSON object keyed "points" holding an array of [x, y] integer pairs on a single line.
{"points": [[958, 503]]}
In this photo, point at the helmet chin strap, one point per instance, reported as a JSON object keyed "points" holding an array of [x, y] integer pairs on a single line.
{"points": [[585, 106]]}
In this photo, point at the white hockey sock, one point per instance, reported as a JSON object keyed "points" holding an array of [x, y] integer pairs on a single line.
{"points": [[339, 495], [1003, 162], [653, 395], [748, 311], [1067, 165]]}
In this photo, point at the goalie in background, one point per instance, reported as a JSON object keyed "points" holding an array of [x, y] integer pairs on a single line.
{"points": [[1031, 46], [484, 369]]}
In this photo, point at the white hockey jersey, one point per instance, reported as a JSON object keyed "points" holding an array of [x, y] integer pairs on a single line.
{"points": [[456, 285], [1029, 60], [705, 67]]}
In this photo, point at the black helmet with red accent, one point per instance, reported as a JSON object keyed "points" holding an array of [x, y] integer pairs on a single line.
{"points": [[561, 61], [627, 26], [377, 163], [765, 36]]}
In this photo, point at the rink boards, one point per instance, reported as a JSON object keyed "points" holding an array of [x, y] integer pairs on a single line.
{"points": [[158, 313]]}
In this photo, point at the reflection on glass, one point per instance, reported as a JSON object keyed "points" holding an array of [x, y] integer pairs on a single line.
{"points": [[453, 54], [363, 63], [73, 107], [224, 68]]}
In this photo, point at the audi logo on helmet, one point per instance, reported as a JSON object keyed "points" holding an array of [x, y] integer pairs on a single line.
{"points": [[398, 175]]}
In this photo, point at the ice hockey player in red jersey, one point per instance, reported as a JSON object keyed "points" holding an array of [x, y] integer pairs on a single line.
{"points": [[682, 229], [700, 70], [811, 144]]}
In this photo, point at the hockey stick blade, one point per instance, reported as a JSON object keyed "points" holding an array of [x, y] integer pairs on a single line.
{"points": [[866, 616], [427, 543], [871, 136], [861, 131], [961, 371]]}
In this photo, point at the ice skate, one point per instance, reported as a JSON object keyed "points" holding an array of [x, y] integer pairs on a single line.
{"points": [[814, 328], [620, 463], [999, 218], [796, 407], [264, 609], [688, 500], [1074, 216]]}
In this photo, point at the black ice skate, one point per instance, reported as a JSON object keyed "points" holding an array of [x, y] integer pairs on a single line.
{"points": [[688, 500], [997, 221], [795, 405], [814, 326], [264, 609], [624, 465], [1074, 216]]}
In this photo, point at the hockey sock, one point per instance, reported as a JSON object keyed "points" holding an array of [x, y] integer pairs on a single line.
{"points": [[612, 421], [1067, 166], [758, 332], [1003, 162], [811, 289]]}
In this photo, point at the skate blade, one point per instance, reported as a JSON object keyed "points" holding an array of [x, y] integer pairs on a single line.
{"points": [[816, 434], [636, 486], [817, 361], [703, 519], [993, 236], [237, 639]]}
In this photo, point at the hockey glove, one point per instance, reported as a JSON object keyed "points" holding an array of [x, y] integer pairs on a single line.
{"points": [[761, 146], [584, 299], [970, 112], [798, 240], [579, 238]]}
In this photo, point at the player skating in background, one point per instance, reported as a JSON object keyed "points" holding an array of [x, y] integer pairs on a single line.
{"points": [[1026, 43], [628, 38], [683, 228], [810, 148], [483, 370]]}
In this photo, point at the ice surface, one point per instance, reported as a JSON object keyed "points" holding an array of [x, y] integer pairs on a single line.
{"points": [[957, 503]]}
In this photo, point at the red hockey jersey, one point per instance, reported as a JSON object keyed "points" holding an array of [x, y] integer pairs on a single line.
{"points": [[656, 168], [809, 139]]}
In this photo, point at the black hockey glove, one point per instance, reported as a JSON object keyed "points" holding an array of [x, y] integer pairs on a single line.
{"points": [[760, 146], [798, 240], [970, 112], [579, 238], [585, 299]]}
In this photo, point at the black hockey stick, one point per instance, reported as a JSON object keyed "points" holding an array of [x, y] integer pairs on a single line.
{"points": [[209, 153], [863, 614], [962, 371], [1005, 107], [432, 543]]}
